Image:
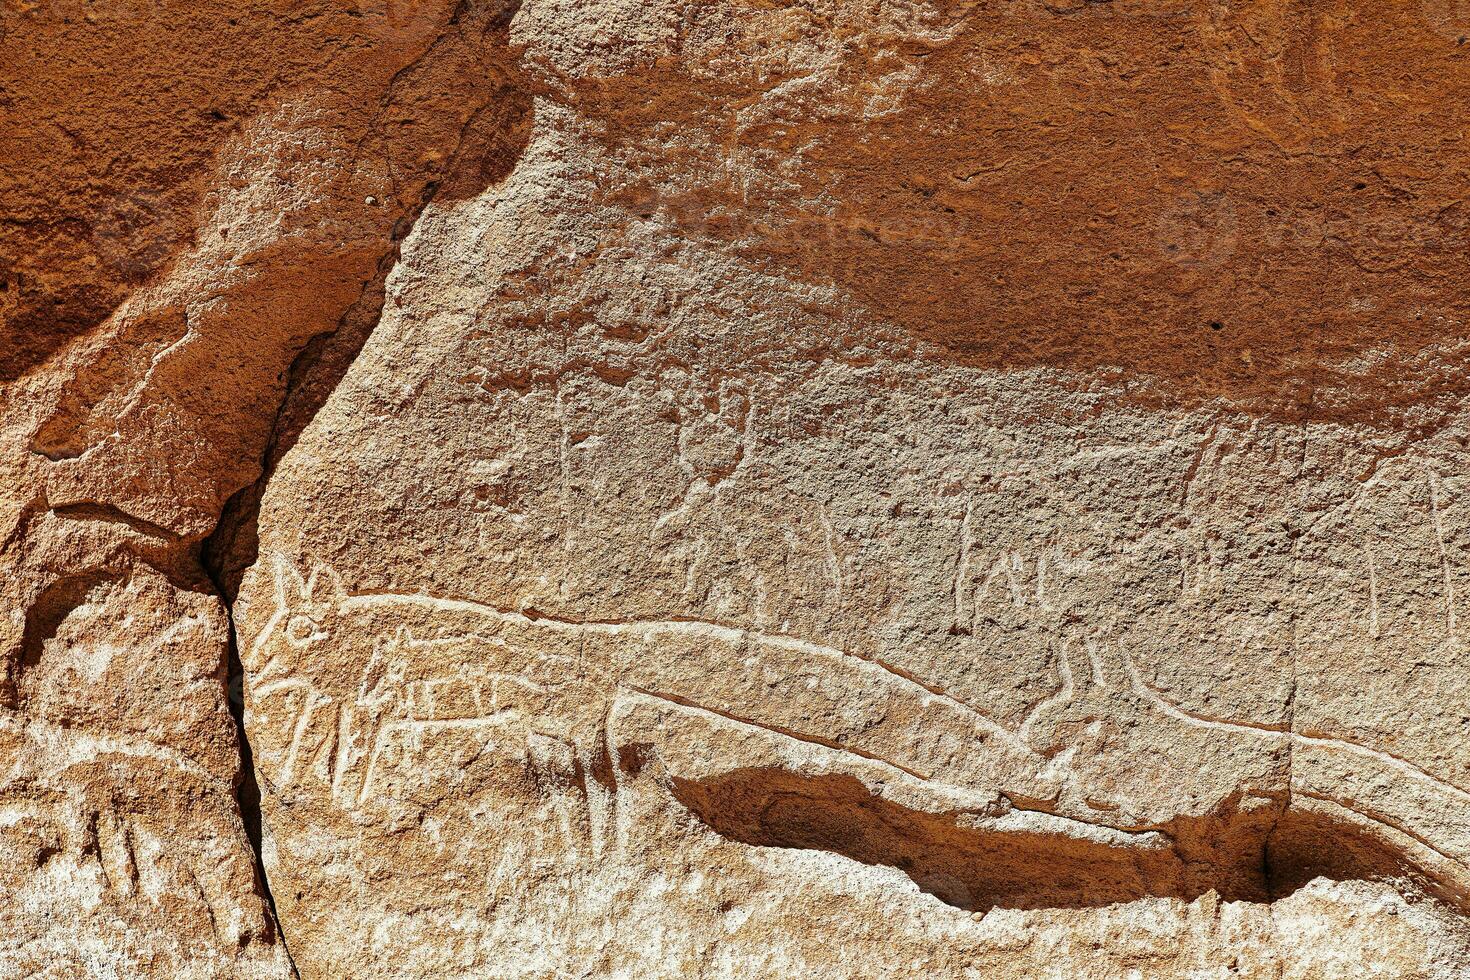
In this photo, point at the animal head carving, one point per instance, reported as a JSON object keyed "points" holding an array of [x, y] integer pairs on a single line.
{"points": [[308, 609]]}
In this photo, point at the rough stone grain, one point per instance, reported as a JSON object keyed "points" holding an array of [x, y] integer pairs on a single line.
{"points": [[749, 489]]}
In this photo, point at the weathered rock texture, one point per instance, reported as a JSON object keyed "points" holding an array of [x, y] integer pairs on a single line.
{"points": [[919, 488]]}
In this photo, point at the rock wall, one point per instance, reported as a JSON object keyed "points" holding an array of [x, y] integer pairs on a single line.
{"points": [[901, 488]]}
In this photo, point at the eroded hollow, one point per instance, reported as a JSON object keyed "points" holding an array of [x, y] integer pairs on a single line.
{"points": [[43, 620], [1308, 844], [1256, 854]]}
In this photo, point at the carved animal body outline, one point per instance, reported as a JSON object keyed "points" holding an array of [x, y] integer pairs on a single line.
{"points": [[770, 670], [98, 827], [1000, 761]]}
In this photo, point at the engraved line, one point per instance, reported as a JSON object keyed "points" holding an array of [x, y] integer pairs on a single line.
{"points": [[301, 723], [266, 690], [1379, 818], [1319, 741], [1032, 819], [695, 627], [179, 628], [266, 633], [1444, 561], [962, 567], [344, 749], [1064, 694], [1403, 765], [750, 723], [86, 747], [420, 726], [1099, 675], [380, 741], [1372, 591], [447, 724]]}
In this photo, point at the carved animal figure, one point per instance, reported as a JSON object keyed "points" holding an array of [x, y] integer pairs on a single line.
{"points": [[354, 675], [431, 663]]}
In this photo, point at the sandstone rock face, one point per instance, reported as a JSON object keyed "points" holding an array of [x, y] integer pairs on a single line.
{"points": [[904, 488]]}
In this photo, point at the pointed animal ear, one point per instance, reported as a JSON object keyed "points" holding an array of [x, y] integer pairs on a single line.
{"points": [[291, 591], [326, 586]]}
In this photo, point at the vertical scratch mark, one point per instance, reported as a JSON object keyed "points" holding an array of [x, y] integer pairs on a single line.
{"points": [[1197, 462], [379, 743], [1099, 677], [306, 712], [565, 464], [1063, 695], [962, 568], [344, 748], [1444, 561], [622, 816], [834, 564], [1372, 592]]}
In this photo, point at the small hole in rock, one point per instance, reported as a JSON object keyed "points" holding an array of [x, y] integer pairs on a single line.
{"points": [[1216, 325]]}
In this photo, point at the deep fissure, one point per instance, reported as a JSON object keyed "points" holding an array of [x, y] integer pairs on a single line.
{"points": [[247, 790], [315, 373], [240, 515], [1242, 854]]}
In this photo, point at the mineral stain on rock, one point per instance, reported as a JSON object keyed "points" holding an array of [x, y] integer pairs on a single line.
{"points": [[1101, 188]]}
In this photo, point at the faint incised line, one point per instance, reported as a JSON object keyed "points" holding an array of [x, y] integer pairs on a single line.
{"points": [[807, 739], [344, 750], [1064, 694], [1028, 816], [449, 724], [312, 700], [1444, 561], [386, 733], [1099, 679], [1280, 731], [1378, 818], [267, 632], [962, 567], [88, 746], [1198, 461], [692, 627], [1403, 765], [1372, 592]]}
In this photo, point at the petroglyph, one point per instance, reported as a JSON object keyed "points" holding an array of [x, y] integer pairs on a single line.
{"points": [[803, 474], [63, 747], [432, 665], [1364, 752], [560, 678]]}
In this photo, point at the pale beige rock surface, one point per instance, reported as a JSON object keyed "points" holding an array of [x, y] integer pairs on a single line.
{"points": [[764, 490]]}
